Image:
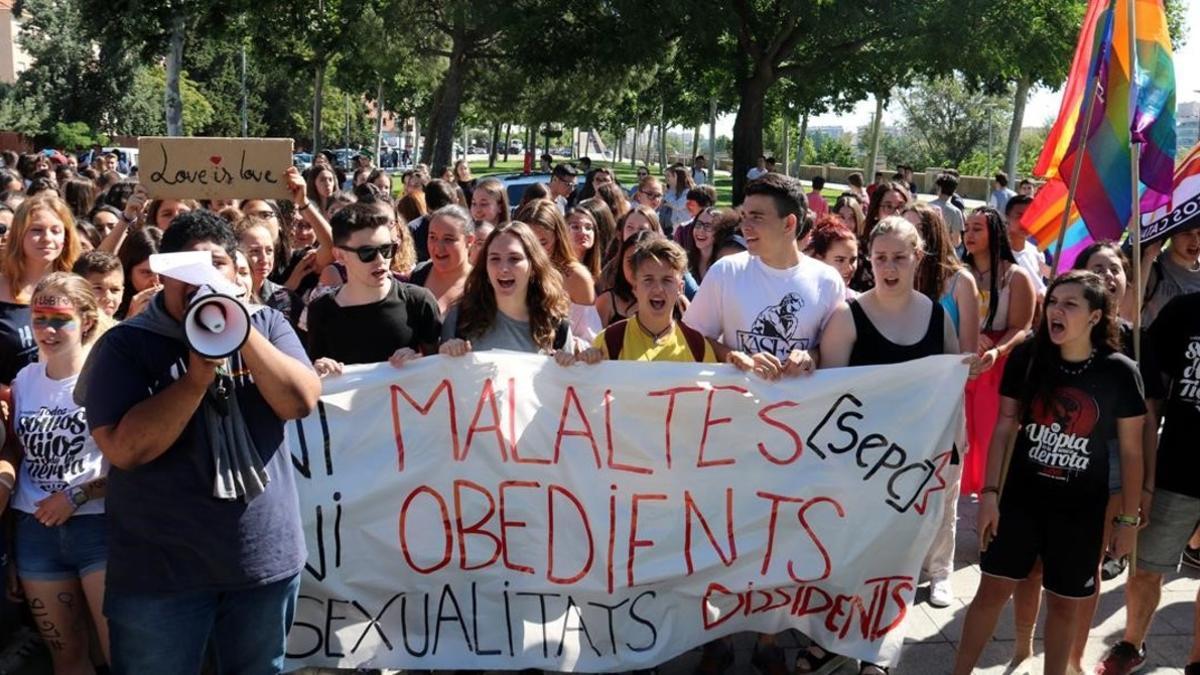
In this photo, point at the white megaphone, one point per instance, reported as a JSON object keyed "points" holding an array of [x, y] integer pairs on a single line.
{"points": [[215, 324]]}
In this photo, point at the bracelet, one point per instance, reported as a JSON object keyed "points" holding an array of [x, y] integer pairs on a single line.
{"points": [[304, 206], [1127, 521], [990, 489]]}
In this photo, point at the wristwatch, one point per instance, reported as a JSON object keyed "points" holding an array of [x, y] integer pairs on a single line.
{"points": [[78, 496]]}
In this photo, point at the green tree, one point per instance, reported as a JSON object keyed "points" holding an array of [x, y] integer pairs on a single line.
{"points": [[75, 136], [144, 105], [835, 151], [948, 119]]}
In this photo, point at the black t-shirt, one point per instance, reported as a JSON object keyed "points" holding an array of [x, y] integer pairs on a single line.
{"points": [[309, 281], [1175, 340], [407, 317], [1060, 458], [1148, 365], [17, 347]]}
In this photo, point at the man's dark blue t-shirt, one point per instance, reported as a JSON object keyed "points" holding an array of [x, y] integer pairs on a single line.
{"points": [[167, 533]]}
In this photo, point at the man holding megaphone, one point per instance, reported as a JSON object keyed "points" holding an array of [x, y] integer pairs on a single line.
{"points": [[188, 402]]}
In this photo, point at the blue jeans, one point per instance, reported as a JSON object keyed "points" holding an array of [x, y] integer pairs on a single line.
{"points": [[168, 632]]}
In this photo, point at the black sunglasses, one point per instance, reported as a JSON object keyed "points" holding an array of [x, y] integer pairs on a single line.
{"points": [[367, 253]]}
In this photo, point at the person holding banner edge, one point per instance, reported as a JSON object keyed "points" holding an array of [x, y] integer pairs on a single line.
{"points": [[1065, 396], [771, 302], [190, 571]]}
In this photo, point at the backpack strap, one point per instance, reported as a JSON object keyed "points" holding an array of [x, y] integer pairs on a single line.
{"points": [[695, 341], [560, 334], [614, 339]]}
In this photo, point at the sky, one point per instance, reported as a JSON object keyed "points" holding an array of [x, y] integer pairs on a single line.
{"points": [[1043, 103]]}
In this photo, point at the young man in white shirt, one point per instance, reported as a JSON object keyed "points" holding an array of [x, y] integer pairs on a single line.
{"points": [[771, 301], [699, 170], [1027, 254]]}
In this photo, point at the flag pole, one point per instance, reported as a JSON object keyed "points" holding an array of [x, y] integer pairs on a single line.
{"points": [[1135, 228], [1089, 100]]}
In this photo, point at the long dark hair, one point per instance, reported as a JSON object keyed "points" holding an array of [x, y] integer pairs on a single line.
{"points": [[723, 230], [545, 296], [999, 250], [138, 246], [877, 196], [604, 228], [940, 263], [1044, 374], [1081, 261]]}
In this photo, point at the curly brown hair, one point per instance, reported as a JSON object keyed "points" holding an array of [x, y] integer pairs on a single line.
{"points": [[545, 296]]}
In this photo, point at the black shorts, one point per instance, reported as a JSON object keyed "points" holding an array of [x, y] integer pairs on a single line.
{"points": [[1069, 542]]}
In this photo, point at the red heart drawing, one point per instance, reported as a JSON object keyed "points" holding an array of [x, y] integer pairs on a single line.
{"points": [[215, 159]]}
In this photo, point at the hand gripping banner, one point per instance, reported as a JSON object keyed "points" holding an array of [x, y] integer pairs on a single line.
{"points": [[499, 511]]}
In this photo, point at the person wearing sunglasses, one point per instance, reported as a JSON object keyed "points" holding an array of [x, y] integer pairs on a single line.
{"points": [[372, 317]]}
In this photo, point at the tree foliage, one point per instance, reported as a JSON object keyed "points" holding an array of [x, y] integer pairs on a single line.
{"points": [[949, 119]]}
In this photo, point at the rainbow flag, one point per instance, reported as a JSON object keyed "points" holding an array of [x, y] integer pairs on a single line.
{"points": [[1134, 104], [1044, 218], [1071, 109]]}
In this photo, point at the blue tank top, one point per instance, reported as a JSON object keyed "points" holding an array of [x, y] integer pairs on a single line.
{"points": [[948, 303]]}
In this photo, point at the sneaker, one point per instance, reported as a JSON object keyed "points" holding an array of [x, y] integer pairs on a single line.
{"points": [[1191, 557], [1122, 658], [941, 593], [1113, 567]]}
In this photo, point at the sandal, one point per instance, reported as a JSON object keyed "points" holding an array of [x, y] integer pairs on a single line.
{"points": [[769, 660], [808, 663], [872, 669]]}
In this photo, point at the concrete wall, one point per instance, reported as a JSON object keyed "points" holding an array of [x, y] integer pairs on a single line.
{"points": [[971, 187]]}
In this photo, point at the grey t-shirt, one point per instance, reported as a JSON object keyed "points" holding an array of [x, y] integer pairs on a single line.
{"points": [[1167, 281], [955, 221], [505, 333]]}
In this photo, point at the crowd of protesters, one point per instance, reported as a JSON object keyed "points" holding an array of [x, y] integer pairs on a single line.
{"points": [[133, 545]]}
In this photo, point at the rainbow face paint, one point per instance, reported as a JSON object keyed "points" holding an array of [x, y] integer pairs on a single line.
{"points": [[52, 311]]}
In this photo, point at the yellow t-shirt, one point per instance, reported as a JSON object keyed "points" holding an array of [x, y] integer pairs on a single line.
{"points": [[639, 346]]}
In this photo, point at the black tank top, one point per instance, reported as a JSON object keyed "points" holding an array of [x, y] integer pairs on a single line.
{"points": [[871, 348]]}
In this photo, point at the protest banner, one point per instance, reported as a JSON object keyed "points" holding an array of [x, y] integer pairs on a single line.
{"points": [[214, 168], [1183, 213], [498, 511]]}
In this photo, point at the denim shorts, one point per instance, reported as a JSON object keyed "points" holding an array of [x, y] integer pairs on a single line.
{"points": [[72, 550]]}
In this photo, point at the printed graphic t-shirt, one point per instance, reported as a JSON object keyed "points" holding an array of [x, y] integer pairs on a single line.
{"points": [[58, 451], [1175, 342], [1061, 454], [754, 308]]}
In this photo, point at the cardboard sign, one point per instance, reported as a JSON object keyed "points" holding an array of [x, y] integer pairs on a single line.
{"points": [[498, 511], [214, 168]]}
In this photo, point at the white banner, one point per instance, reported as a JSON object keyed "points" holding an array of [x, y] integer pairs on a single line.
{"points": [[499, 511]]}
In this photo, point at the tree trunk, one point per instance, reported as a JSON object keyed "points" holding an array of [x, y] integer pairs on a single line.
{"points": [[318, 102], [712, 140], [633, 147], [173, 102], [800, 141], [507, 138], [379, 125], [748, 127], [876, 126], [440, 152], [492, 147], [1014, 129], [649, 144], [695, 143], [787, 146], [662, 139]]}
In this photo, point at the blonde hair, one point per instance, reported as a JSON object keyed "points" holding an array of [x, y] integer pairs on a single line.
{"points": [[14, 262], [77, 289], [899, 227]]}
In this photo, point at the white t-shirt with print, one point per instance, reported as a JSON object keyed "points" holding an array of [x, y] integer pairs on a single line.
{"points": [[58, 449], [754, 308]]}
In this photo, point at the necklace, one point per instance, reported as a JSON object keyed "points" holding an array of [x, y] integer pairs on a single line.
{"points": [[659, 336], [1079, 369]]}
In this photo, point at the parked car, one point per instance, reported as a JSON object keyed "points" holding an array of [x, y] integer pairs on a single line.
{"points": [[516, 183], [302, 160], [476, 150]]}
